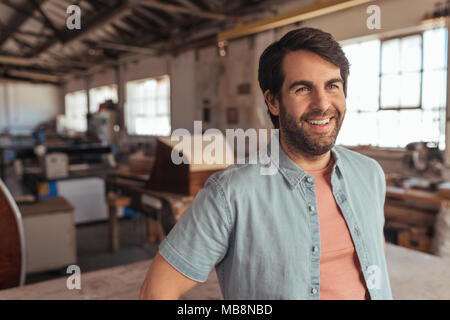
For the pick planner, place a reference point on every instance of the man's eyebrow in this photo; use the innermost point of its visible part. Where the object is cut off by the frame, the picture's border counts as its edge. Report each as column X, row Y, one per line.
column 334, row 80
column 300, row 83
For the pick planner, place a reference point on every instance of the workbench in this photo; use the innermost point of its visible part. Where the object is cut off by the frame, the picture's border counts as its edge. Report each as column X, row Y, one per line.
column 413, row 275
column 124, row 189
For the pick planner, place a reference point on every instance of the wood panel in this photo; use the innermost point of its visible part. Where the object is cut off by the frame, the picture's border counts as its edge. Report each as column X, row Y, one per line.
column 167, row 176
column 10, row 250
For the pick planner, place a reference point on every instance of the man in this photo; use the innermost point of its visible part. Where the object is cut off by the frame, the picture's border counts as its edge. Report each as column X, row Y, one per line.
column 314, row 230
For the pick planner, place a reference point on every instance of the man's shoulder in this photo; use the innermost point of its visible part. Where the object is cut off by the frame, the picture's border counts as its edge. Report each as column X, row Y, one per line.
column 237, row 178
column 235, row 173
column 356, row 160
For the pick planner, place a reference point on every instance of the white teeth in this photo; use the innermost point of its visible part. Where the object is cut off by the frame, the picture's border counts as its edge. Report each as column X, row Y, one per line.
column 319, row 121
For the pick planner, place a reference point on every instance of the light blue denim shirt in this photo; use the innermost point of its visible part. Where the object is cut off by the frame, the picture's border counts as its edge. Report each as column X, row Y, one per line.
column 259, row 231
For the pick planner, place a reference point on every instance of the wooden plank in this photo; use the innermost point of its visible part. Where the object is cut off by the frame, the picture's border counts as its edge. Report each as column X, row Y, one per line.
column 10, row 251
column 406, row 267
column 409, row 216
column 122, row 282
column 425, row 196
column 304, row 13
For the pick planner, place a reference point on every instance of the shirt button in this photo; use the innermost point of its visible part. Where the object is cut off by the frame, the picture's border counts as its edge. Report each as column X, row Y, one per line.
column 309, row 179
column 314, row 249
column 313, row 290
column 311, row 208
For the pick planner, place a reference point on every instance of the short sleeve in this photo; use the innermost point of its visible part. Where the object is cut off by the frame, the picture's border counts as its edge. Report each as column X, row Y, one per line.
column 382, row 188
column 199, row 240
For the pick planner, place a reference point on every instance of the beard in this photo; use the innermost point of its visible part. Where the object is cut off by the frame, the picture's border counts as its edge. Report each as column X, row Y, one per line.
column 302, row 139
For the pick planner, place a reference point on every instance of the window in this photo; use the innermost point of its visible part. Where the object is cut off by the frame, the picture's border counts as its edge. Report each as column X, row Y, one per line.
column 397, row 91
column 76, row 110
column 99, row 95
column 148, row 106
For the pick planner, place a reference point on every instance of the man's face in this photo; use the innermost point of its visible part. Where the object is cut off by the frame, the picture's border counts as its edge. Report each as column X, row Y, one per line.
column 311, row 104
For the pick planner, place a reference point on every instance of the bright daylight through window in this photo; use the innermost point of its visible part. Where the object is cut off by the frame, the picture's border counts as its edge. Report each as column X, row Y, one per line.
column 412, row 74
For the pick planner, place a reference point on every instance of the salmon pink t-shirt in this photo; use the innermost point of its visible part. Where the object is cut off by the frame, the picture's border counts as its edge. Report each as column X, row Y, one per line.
column 341, row 276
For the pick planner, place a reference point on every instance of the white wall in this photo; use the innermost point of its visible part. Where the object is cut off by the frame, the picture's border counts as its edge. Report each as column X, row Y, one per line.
column 24, row 105
column 182, row 89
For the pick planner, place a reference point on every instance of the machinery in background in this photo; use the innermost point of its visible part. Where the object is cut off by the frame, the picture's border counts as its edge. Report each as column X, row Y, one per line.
column 103, row 125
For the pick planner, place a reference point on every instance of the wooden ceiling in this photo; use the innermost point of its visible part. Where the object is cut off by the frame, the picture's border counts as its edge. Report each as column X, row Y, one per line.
column 35, row 43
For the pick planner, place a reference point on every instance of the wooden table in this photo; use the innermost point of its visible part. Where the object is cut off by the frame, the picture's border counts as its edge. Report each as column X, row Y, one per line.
column 413, row 275
column 130, row 191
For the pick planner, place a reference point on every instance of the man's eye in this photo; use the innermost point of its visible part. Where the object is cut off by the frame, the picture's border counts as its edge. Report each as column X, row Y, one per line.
column 302, row 89
column 333, row 86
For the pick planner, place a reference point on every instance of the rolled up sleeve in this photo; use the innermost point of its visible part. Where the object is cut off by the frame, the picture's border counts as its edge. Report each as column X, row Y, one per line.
column 199, row 240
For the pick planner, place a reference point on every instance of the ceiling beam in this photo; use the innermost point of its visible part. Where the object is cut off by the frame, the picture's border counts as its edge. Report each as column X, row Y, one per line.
column 127, row 48
column 308, row 12
column 32, row 75
column 17, row 20
column 142, row 21
column 17, row 61
column 188, row 4
column 47, row 21
column 177, row 9
column 152, row 16
column 33, row 34
column 107, row 17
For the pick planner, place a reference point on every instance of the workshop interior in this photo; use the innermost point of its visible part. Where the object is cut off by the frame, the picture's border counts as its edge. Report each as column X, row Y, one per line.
column 92, row 91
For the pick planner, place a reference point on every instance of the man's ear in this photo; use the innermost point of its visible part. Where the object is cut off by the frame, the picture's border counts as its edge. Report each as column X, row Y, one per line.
column 272, row 102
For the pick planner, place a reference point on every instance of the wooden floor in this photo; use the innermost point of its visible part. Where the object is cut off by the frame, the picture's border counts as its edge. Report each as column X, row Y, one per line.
column 413, row 275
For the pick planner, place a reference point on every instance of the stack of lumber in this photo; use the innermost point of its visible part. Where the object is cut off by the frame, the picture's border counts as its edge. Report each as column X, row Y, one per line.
column 412, row 215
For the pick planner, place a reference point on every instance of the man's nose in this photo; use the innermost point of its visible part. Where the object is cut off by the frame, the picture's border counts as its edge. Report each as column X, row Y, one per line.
column 320, row 100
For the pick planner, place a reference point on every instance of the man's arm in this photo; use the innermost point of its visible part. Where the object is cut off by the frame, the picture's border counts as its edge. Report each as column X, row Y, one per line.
column 164, row 282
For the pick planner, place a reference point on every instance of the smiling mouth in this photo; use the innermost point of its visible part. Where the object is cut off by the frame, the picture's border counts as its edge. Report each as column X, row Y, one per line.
column 319, row 122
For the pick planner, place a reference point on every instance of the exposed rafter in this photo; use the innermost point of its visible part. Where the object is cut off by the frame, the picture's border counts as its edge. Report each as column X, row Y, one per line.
column 32, row 75
column 314, row 10
column 17, row 20
column 109, row 16
column 128, row 48
column 47, row 21
column 177, row 9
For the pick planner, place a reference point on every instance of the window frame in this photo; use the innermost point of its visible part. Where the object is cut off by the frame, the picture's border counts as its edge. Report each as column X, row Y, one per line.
column 156, row 115
column 400, row 37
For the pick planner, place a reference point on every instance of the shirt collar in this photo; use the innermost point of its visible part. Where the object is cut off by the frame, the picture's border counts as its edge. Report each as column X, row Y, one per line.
column 289, row 169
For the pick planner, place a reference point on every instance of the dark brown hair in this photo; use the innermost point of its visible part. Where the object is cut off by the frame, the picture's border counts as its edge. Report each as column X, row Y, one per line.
column 270, row 71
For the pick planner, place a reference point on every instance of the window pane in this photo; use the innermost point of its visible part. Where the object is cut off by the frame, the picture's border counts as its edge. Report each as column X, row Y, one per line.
column 390, row 93
column 431, row 128
column 161, row 108
column 148, row 107
column 410, row 89
column 99, row 95
column 149, row 88
column 411, row 54
column 362, row 93
column 390, row 57
column 389, row 122
column 363, row 82
column 76, row 110
column 435, row 49
column 434, row 89
column 359, row 128
column 410, row 127
column 163, row 89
